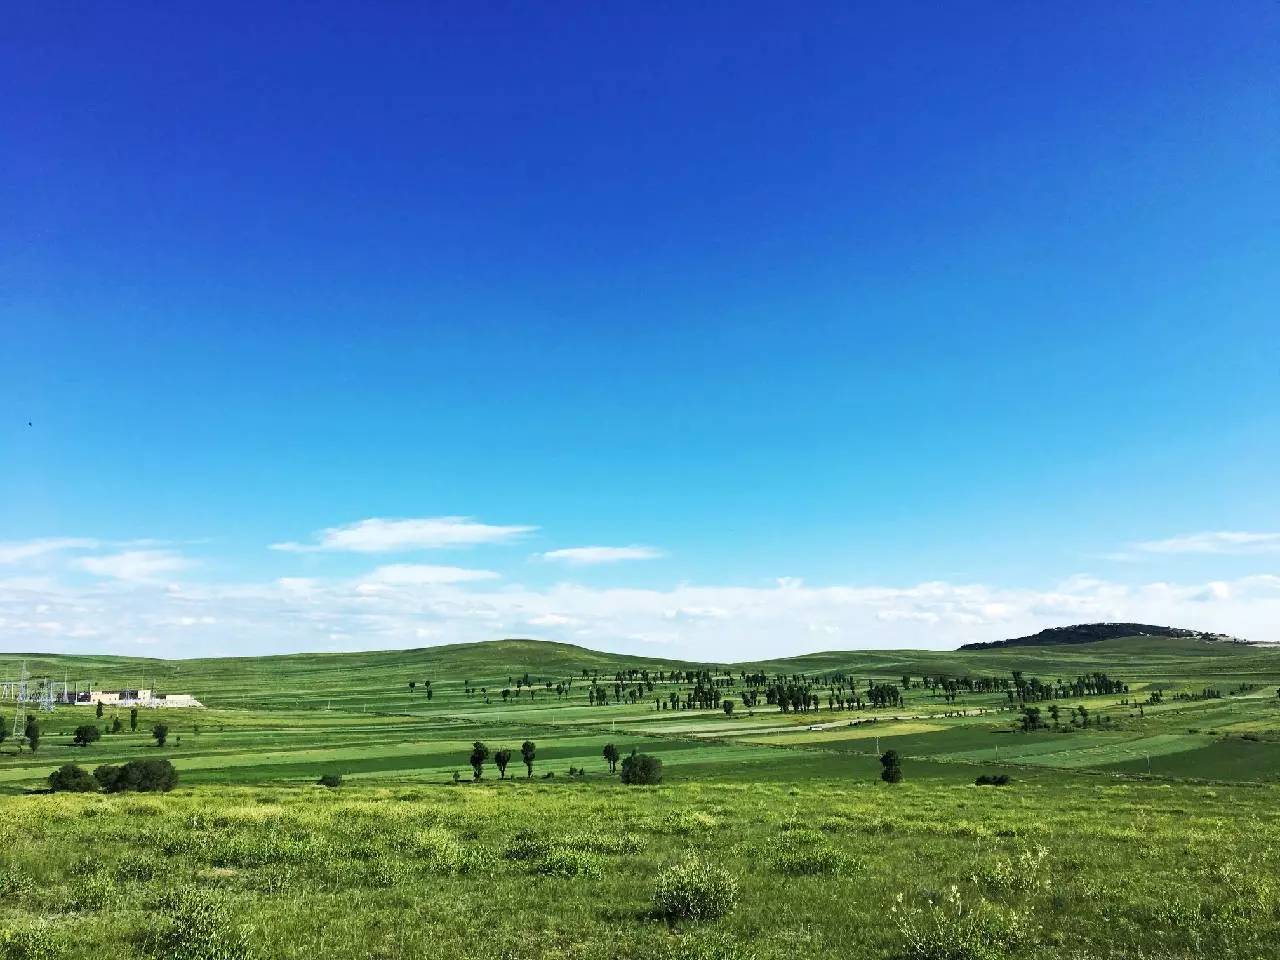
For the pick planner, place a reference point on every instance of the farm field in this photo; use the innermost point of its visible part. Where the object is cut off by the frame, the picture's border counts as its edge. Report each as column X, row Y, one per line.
column 1139, row 822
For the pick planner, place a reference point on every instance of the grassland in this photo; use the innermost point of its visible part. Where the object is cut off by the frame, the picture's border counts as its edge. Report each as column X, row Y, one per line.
column 1148, row 831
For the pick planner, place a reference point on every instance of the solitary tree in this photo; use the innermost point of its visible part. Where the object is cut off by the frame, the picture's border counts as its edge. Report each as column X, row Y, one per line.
column 892, row 764
column 31, row 733
column 98, row 712
column 502, row 758
column 133, row 719
column 727, row 706
column 116, row 725
column 610, row 753
column 479, row 754
column 528, row 750
column 4, row 729
column 86, row 734
column 161, row 732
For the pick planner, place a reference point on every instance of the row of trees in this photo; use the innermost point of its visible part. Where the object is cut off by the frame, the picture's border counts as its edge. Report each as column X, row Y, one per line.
column 136, row 775
column 88, row 733
column 636, row 768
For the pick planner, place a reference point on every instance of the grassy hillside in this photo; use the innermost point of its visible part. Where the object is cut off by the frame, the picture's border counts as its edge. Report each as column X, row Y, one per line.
column 1139, row 821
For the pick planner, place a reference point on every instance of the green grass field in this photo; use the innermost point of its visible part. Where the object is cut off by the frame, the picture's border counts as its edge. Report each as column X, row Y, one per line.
column 1148, row 830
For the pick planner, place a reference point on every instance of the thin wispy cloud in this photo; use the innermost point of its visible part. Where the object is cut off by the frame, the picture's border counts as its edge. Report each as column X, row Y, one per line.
column 1217, row 541
column 384, row 535
column 1208, row 543
column 20, row 551
column 138, row 566
column 420, row 574
column 592, row 556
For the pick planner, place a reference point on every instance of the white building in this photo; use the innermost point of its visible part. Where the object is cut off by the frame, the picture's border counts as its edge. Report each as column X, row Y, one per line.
column 137, row 698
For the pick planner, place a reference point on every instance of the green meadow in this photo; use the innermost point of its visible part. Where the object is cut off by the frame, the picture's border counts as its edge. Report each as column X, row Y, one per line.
column 1139, row 822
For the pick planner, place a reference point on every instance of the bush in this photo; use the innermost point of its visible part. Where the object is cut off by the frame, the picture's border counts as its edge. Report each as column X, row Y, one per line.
column 992, row 780
column 807, row 853
column 641, row 769
column 949, row 929
column 330, row 780
column 196, row 928
column 565, row 861
column 70, row 778
column 695, row 890
column 34, row 942
column 141, row 775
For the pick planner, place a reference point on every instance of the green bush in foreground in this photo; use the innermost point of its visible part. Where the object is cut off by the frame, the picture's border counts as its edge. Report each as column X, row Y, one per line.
column 801, row 853
column 193, row 927
column 695, row 890
column 141, row 775
column 70, row 778
column 950, row 929
column 34, row 942
column 641, row 769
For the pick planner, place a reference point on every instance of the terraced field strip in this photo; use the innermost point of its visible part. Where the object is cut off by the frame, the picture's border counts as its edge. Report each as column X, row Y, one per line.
column 862, row 731
column 1075, row 751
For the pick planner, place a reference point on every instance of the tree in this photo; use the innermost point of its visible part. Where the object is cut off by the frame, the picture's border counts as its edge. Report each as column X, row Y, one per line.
column 4, row 729
column 502, row 758
column 116, row 725
column 610, row 753
column 70, row 778
column 727, row 707
column 528, row 750
column 31, row 732
column 98, row 712
column 161, row 733
column 86, row 734
column 641, row 769
column 892, row 767
column 133, row 719
column 479, row 754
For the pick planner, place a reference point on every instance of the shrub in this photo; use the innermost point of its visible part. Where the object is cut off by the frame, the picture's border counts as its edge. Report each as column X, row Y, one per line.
column 992, row 780
column 193, row 927
column 641, row 769
column 141, row 775
column 801, row 853
column 1019, row 874
column 565, row 861
column 330, row 780
column 695, row 890
column 34, row 942
column 949, row 929
column 527, row 846
column 70, row 778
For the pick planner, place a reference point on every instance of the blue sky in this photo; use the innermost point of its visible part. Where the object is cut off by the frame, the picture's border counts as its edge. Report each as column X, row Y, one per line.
column 838, row 326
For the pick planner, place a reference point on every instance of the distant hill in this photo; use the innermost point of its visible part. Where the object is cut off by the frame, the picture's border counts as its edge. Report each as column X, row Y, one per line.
column 1095, row 632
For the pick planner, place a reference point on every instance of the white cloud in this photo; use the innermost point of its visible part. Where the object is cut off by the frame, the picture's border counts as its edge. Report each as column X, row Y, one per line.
column 382, row 535
column 140, row 566
column 590, row 556
column 1217, row 542
column 18, row 551
column 423, row 574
